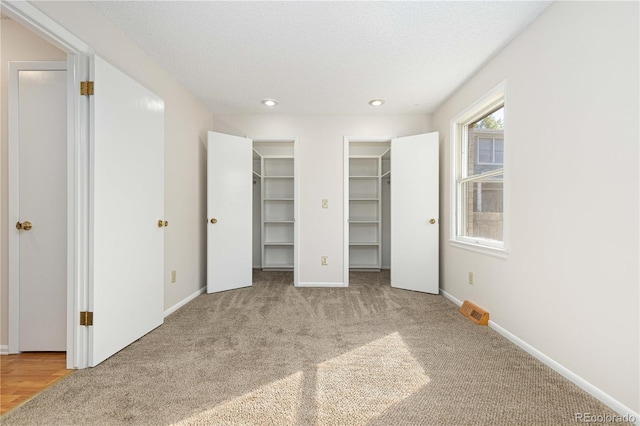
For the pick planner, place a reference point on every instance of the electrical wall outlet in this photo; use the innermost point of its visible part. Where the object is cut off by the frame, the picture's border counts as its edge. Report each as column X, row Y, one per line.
column 324, row 260
column 325, row 203
column 471, row 278
column 174, row 274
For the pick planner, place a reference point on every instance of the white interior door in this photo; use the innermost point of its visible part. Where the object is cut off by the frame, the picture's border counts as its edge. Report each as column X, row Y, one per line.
column 42, row 206
column 229, row 212
column 127, row 163
column 414, row 213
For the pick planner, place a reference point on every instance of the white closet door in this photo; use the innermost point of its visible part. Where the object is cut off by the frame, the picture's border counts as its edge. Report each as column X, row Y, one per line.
column 414, row 213
column 229, row 212
column 127, row 163
column 42, row 197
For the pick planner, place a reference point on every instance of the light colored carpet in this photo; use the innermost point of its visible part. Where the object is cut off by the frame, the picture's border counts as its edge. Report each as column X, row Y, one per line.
column 273, row 354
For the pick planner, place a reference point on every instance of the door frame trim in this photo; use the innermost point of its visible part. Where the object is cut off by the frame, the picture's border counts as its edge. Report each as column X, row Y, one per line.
column 13, row 199
column 78, row 183
column 346, row 141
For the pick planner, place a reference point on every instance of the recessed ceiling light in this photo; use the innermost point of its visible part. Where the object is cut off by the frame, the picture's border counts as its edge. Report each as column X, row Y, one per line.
column 270, row 102
column 376, row 102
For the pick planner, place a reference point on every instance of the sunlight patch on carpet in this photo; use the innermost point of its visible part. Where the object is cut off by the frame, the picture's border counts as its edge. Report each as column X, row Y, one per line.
column 353, row 388
column 275, row 403
column 358, row 386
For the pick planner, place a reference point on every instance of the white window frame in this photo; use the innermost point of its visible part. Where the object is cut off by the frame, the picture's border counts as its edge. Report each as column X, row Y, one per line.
column 492, row 100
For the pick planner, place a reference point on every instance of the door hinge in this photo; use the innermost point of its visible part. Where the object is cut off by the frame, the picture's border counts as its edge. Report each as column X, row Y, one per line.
column 86, row 88
column 86, row 318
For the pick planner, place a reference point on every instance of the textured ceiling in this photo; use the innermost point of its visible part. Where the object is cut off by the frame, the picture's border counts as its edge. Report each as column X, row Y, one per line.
column 321, row 57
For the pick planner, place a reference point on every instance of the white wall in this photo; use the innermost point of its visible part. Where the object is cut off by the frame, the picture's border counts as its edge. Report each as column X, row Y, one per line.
column 18, row 44
column 569, row 287
column 321, row 174
column 186, row 123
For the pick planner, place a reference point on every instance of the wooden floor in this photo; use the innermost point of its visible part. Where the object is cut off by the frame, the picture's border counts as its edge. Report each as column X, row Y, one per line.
column 24, row 375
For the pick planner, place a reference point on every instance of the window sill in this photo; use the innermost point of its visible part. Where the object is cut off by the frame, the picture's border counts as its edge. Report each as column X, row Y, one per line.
column 498, row 252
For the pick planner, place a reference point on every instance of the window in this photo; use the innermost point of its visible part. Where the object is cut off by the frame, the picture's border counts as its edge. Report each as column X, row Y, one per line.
column 478, row 206
column 490, row 150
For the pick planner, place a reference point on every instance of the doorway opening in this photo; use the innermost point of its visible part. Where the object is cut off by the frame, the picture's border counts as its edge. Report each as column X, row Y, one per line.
column 274, row 208
column 391, row 222
column 37, row 167
column 252, row 208
column 37, row 23
column 367, row 204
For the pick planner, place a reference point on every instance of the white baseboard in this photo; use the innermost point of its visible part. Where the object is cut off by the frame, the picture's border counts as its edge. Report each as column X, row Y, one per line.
column 4, row 349
column 597, row 393
column 318, row 284
column 592, row 390
column 450, row 297
column 183, row 302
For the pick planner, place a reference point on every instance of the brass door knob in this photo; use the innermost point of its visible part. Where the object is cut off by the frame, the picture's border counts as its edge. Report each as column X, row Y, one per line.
column 162, row 223
column 166, row 223
column 25, row 226
column 433, row 221
column 214, row 221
